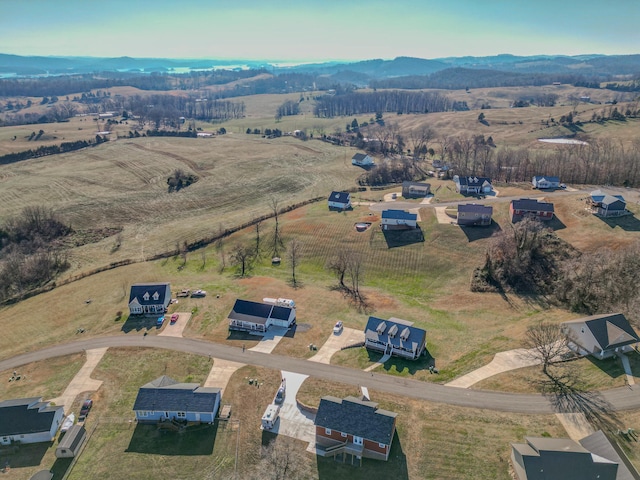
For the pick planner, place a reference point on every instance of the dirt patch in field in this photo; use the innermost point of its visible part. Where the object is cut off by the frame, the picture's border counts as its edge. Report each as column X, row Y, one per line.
column 370, row 218
column 380, row 301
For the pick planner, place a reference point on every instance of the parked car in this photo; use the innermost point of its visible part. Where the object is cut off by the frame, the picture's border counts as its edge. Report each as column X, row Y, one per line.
column 174, row 318
column 198, row 294
column 183, row 293
column 84, row 410
column 160, row 321
column 337, row 328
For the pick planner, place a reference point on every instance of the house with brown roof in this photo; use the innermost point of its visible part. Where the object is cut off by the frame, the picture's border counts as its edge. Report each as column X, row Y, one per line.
column 354, row 427
column 471, row 214
column 415, row 189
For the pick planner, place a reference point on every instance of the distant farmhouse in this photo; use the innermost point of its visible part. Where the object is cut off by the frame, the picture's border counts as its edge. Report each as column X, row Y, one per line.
column 529, row 207
column 354, row 426
column 606, row 205
column 415, row 189
column 362, row 160
column 256, row 318
column 398, row 220
column 471, row 214
column 602, row 336
column 165, row 399
column 561, row 458
column 395, row 337
column 472, row 185
column 29, row 420
column 543, row 183
column 152, row 298
column 339, row 201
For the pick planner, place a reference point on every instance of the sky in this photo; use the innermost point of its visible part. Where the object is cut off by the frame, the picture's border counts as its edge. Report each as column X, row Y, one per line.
column 317, row 30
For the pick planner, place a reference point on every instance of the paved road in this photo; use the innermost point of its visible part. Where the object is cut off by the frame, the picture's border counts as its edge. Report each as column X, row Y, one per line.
column 624, row 398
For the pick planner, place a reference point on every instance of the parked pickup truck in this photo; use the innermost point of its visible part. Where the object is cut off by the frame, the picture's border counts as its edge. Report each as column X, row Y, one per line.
column 183, row 293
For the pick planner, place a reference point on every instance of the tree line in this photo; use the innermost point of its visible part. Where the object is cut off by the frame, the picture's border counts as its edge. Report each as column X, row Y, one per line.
column 50, row 150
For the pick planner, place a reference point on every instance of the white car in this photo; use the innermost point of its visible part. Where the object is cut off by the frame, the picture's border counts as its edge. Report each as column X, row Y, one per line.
column 337, row 328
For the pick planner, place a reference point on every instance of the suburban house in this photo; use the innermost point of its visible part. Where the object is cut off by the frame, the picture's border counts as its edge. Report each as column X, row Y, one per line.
column 543, row 182
column 29, row 420
column 607, row 205
column 600, row 335
column 166, row 400
column 415, row 189
column 472, row 185
column 398, row 220
column 149, row 298
column 529, row 207
column 362, row 160
column 340, row 201
column 550, row 458
column 72, row 442
column 471, row 214
column 355, row 427
column 395, row 337
column 256, row 318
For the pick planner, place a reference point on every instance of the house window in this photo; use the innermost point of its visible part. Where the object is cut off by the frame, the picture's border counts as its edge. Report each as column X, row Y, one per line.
column 343, row 435
column 382, row 445
column 182, row 414
column 143, row 413
column 327, row 431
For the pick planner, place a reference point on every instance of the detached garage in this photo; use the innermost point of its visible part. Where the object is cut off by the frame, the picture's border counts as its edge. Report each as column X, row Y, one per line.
column 71, row 442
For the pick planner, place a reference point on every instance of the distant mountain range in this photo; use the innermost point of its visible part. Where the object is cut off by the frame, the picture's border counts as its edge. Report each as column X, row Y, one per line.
column 608, row 66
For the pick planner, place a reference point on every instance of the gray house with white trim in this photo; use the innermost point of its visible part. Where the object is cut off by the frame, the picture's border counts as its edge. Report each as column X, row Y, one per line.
column 149, row 298
column 395, row 337
column 542, row 182
column 339, row 201
column 601, row 335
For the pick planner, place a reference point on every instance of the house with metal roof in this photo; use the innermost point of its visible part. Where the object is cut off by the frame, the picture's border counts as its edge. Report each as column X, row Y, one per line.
column 398, row 220
column 543, row 182
column 256, row 317
column 166, row 400
column 601, row 335
column 530, row 207
column 149, row 298
column 339, row 201
column 354, row 427
column 395, row 337
column 29, row 420
column 471, row 214
column 468, row 185
column 362, row 160
column 415, row 189
column 72, row 442
column 594, row 457
column 606, row 205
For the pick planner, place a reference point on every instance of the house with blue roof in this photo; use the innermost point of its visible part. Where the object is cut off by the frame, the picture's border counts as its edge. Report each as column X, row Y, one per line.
column 149, row 298
column 606, row 205
column 398, row 220
column 165, row 399
column 339, row 201
column 543, row 182
column 256, row 317
column 395, row 337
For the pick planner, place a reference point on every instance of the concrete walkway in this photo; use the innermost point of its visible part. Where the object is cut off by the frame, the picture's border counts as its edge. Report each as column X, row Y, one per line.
column 270, row 340
column 576, row 425
column 442, row 216
column 627, row 368
column 334, row 343
column 221, row 373
column 82, row 382
column 378, row 363
column 502, row 362
column 177, row 328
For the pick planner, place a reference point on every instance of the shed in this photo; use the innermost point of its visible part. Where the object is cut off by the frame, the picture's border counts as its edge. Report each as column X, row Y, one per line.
column 71, row 442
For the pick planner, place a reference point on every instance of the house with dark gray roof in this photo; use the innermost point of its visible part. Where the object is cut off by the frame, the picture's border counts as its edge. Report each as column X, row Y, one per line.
column 165, row 399
column 415, row 189
column 398, row 220
column 29, row 420
column 362, row 160
column 355, row 427
column 339, row 201
column 149, row 298
column 472, row 214
column 468, row 185
column 544, row 182
column 561, row 458
column 601, row 335
column 256, row 317
column 530, row 207
column 606, row 205
column 395, row 337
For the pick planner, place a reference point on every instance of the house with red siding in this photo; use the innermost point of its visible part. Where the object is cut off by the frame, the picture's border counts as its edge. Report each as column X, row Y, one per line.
column 530, row 207
column 354, row 428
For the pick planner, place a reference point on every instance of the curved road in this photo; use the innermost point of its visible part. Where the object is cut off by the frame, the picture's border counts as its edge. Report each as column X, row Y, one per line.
column 624, row 398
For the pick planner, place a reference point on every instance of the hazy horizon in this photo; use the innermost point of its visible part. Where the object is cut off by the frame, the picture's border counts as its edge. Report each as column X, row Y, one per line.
column 307, row 31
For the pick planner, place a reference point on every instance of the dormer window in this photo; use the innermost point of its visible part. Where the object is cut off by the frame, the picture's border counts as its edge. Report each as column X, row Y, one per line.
column 156, row 296
column 145, row 297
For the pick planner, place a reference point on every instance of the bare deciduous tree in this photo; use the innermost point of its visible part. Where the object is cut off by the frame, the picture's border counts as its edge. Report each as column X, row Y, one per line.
column 277, row 240
column 242, row 256
column 294, row 253
column 546, row 342
column 281, row 460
